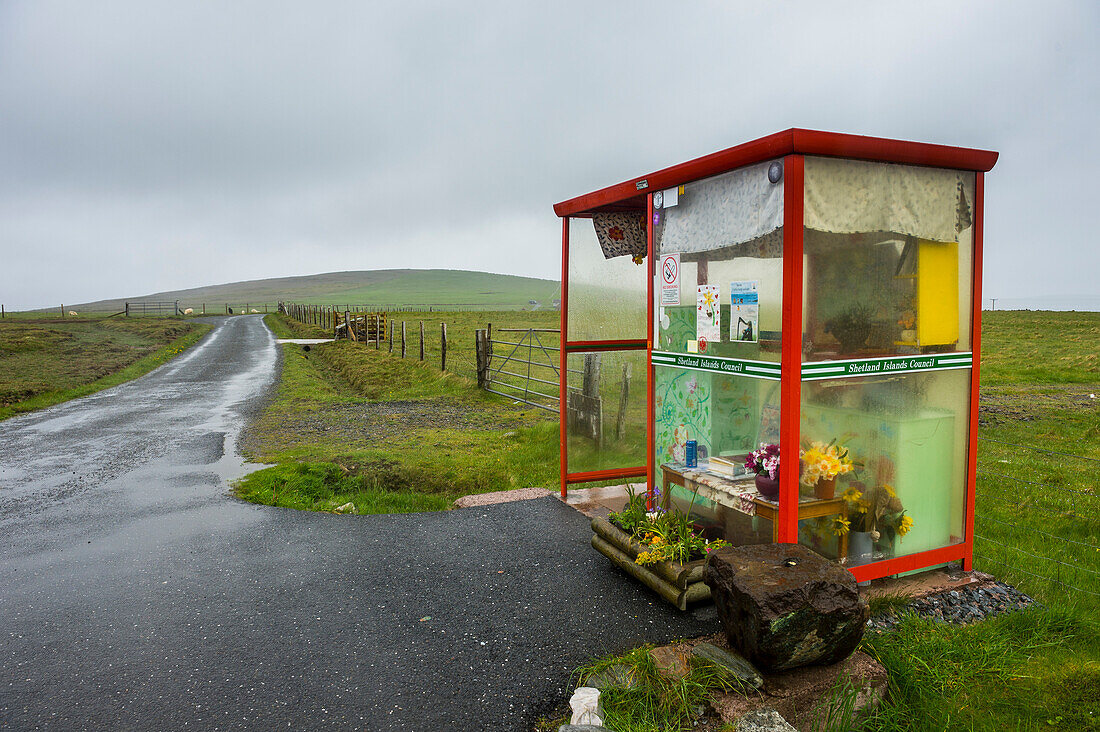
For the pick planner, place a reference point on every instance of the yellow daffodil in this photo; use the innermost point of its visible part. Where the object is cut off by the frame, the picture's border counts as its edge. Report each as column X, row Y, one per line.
column 905, row 525
column 841, row 525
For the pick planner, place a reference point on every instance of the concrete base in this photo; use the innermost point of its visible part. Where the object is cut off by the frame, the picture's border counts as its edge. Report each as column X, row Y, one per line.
column 916, row 586
column 600, row 501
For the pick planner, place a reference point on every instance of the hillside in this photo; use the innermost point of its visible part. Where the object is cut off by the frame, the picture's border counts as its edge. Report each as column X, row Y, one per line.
column 378, row 287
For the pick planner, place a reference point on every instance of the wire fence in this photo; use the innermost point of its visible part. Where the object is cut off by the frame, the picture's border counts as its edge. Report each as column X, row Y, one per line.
column 1031, row 530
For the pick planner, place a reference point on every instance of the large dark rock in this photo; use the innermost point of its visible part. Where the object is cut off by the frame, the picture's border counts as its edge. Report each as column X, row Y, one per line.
column 783, row 606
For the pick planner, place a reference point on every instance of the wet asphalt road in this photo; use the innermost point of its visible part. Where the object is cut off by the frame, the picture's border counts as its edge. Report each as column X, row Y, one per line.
column 135, row 593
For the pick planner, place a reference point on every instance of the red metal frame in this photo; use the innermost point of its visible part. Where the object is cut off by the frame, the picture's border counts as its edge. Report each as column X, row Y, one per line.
column 790, row 380
column 794, row 141
column 634, row 344
column 625, row 344
column 908, row 563
column 975, row 375
column 609, row 474
column 650, row 431
column 562, row 405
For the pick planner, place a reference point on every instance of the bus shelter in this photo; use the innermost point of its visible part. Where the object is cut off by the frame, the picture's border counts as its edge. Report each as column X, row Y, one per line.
column 812, row 291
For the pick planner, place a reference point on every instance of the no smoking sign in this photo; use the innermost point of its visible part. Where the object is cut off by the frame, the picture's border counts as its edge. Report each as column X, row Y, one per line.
column 670, row 279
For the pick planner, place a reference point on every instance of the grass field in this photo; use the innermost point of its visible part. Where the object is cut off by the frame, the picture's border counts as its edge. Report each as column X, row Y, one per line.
column 402, row 435
column 44, row 361
column 404, row 287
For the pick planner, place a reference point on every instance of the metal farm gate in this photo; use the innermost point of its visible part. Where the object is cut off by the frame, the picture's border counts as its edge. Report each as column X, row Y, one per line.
column 526, row 369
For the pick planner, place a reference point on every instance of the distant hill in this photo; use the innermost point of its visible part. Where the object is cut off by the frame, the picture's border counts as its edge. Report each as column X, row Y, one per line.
column 399, row 287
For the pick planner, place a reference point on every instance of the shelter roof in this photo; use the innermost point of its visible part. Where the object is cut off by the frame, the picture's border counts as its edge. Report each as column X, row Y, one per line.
column 630, row 194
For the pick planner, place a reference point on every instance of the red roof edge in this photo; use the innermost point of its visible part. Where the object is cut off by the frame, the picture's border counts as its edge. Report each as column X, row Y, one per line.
column 788, row 142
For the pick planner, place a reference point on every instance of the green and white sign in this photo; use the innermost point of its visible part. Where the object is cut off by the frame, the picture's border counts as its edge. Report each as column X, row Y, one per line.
column 718, row 364
column 885, row 365
column 817, row 370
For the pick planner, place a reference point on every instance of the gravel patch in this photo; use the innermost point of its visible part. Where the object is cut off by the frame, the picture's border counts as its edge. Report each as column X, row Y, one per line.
column 962, row 606
column 360, row 424
column 488, row 499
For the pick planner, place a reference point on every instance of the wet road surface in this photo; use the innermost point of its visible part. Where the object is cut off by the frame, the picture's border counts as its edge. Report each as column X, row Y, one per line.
column 135, row 593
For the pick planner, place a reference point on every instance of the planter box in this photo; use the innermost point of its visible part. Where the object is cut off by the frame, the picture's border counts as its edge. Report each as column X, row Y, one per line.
column 678, row 584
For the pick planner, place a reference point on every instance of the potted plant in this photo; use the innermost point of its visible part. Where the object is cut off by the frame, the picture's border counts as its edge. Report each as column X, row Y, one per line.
column 872, row 514
column 660, row 548
column 851, row 327
column 821, row 464
column 764, row 462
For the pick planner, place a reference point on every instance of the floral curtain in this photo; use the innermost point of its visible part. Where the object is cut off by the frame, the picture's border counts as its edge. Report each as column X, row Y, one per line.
column 726, row 211
column 855, row 196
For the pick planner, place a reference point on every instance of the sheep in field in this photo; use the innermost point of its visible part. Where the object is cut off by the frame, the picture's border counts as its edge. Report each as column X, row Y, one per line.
column 189, row 311
column 72, row 313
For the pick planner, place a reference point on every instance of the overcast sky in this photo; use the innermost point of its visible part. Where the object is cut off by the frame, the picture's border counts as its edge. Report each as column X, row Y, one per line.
column 149, row 146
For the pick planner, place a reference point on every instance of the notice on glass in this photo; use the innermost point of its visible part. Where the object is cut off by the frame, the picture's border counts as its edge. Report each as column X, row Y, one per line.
column 744, row 311
column 670, row 279
column 708, row 316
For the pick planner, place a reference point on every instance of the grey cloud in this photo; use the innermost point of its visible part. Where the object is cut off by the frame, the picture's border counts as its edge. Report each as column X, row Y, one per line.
column 188, row 143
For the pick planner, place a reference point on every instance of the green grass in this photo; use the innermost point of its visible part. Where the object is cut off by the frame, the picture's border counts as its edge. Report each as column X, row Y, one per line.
column 1035, row 669
column 1037, row 347
column 1039, row 372
column 325, row 486
column 654, row 703
column 45, row 361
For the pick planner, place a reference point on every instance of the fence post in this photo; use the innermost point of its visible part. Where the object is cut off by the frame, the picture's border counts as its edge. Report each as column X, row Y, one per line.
column 402, row 339
column 421, row 340
column 62, row 310
column 349, row 326
column 620, row 422
column 480, row 352
column 443, row 348
column 391, row 336
column 3, row 313
column 377, row 333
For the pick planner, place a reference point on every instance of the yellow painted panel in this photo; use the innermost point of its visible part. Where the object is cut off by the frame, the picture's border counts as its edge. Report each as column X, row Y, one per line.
column 937, row 293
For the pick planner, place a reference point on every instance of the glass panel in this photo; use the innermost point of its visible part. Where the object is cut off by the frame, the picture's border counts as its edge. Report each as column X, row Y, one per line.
column 727, row 416
column 606, row 423
column 607, row 297
column 888, row 259
column 907, row 436
column 727, row 296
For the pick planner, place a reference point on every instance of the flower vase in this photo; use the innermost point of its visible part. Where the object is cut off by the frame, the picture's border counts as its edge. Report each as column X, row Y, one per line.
column 860, row 551
column 825, row 489
column 768, row 487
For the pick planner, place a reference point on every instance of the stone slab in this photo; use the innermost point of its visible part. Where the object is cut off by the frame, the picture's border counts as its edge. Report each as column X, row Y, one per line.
column 730, row 660
column 618, row 676
column 671, row 661
column 486, row 499
column 764, row 719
